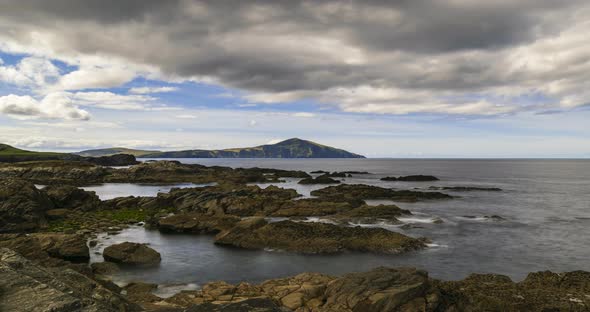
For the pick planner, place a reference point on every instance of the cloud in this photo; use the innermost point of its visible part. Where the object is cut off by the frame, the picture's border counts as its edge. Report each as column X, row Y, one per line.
column 186, row 116
column 94, row 78
column 52, row 106
column 461, row 57
column 30, row 72
column 146, row 90
column 304, row 115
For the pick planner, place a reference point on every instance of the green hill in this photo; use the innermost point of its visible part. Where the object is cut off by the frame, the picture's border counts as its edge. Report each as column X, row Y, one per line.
column 292, row 148
column 12, row 154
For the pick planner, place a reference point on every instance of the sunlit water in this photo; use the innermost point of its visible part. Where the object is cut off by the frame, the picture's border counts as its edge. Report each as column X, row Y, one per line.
column 546, row 204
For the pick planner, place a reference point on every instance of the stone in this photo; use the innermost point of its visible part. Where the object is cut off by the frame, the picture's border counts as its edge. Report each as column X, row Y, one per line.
column 104, row 268
column 132, row 254
column 22, row 206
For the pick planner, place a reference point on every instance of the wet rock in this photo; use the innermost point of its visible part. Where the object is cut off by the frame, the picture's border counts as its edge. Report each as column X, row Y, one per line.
column 47, row 248
column 57, row 214
column 27, row 287
column 361, row 191
column 132, row 254
column 22, row 206
column 313, row 237
column 56, row 172
column 412, row 178
column 70, row 197
column 104, row 268
column 140, row 292
column 323, row 179
column 196, row 223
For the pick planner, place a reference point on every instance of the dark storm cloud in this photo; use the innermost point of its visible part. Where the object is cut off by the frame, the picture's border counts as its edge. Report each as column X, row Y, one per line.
column 309, row 47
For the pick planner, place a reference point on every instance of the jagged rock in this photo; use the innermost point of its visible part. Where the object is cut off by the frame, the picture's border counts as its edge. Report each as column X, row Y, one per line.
column 323, row 179
column 361, row 191
column 56, row 172
column 57, row 214
column 254, row 304
column 314, row 207
column 140, row 292
column 312, row 237
column 71, row 197
column 48, row 248
column 22, row 206
column 113, row 160
column 197, row 223
column 28, row 287
column 132, row 254
column 412, row 178
column 371, row 214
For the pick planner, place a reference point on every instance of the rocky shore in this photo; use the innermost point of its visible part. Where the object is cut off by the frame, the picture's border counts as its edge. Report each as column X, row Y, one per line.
column 45, row 233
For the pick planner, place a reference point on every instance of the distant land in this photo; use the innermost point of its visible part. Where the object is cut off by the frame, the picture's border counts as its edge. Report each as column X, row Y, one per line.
column 13, row 154
column 291, row 148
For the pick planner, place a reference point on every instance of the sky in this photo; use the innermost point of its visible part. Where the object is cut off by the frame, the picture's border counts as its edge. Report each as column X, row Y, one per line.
column 438, row 78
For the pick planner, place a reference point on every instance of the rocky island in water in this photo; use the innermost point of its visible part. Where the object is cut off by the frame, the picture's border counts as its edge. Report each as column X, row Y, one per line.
column 49, row 225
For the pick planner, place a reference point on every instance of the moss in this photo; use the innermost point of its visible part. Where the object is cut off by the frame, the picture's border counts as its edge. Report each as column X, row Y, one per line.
column 64, row 225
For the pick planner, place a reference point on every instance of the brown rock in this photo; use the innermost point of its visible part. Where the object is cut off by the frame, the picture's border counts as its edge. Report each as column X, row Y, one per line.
column 132, row 254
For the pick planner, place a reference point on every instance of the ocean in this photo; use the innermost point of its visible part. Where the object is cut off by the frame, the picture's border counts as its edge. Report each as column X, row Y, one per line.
column 545, row 205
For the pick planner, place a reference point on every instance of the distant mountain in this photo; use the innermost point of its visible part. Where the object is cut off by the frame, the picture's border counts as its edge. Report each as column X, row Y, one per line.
column 292, row 148
column 114, row 151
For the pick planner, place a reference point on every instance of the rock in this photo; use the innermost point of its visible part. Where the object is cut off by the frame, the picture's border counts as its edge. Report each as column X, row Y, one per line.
column 132, row 254
column 22, row 206
column 382, row 289
column 57, row 214
column 104, row 268
column 371, row 214
column 196, row 223
column 323, row 179
column 27, row 287
column 412, row 178
column 361, row 191
column 69, row 247
column 254, row 304
column 56, row 172
column 314, row 207
column 113, row 160
column 141, row 293
column 315, row 238
column 70, row 197
column 495, row 218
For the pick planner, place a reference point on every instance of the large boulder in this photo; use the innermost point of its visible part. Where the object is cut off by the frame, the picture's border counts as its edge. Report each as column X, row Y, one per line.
column 27, row 287
column 371, row 214
column 312, row 237
column 22, row 206
column 132, row 254
column 70, row 197
column 113, row 160
column 323, row 179
column 314, row 207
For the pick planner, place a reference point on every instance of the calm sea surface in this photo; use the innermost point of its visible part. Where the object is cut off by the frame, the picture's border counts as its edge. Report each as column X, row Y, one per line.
column 546, row 204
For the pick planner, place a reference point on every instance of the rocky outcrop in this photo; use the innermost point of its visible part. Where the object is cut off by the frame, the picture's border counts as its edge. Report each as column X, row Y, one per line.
column 48, row 248
column 323, row 179
column 132, row 254
column 27, row 287
column 314, row 207
column 113, row 160
column 196, row 223
column 361, row 191
column 382, row 289
column 22, row 206
column 371, row 214
column 71, row 197
column 412, row 178
column 256, row 233
column 56, row 172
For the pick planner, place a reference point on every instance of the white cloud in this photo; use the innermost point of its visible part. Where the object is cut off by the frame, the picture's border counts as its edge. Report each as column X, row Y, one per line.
column 94, row 78
column 30, row 72
column 110, row 100
column 52, row 106
column 253, row 123
column 147, row 90
column 186, row 116
column 304, row 115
